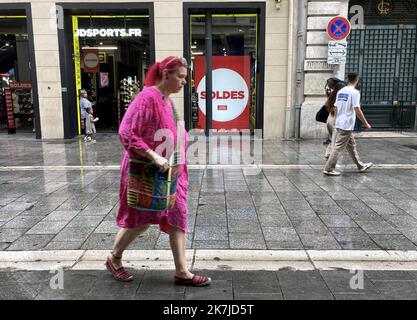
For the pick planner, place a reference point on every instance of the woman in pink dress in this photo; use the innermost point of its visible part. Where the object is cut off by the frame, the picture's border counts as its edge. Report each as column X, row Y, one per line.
column 150, row 111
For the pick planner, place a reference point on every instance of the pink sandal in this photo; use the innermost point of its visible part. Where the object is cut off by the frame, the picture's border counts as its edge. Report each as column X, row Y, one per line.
column 195, row 281
column 119, row 274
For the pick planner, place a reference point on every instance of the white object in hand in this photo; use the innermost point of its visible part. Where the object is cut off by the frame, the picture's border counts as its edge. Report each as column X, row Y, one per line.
column 160, row 162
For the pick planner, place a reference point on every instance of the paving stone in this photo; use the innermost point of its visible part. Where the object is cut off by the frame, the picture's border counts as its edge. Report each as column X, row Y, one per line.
column 99, row 241
column 335, row 221
column 6, row 201
column 270, row 209
column 64, row 245
column 349, row 234
column 211, row 209
column 247, row 213
column 295, row 204
column 383, row 275
column 274, row 221
column 31, row 242
column 341, row 282
column 393, row 242
column 85, row 221
column 74, row 234
column 47, row 227
column 359, row 245
column 246, row 241
column 244, row 226
column 21, row 222
column 309, row 226
column 4, row 245
column 199, row 244
column 258, row 296
column 211, row 220
column 303, row 285
column 319, row 242
column 156, row 282
column 377, row 227
column 301, row 214
column 7, row 216
column 10, row 235
column 397, row 290
column 218, row 289
column 107, row 227
column 280, row 234
column 282, row 245
column 61, row 216
column 210, row 233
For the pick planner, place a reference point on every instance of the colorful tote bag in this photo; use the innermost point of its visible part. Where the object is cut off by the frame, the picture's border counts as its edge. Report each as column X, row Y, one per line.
column 149, row 189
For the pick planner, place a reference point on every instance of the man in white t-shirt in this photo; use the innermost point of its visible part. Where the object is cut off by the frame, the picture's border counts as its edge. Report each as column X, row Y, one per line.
column 348, row 107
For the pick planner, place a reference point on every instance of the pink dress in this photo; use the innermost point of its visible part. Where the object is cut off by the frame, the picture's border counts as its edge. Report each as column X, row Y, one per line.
column 146, row 114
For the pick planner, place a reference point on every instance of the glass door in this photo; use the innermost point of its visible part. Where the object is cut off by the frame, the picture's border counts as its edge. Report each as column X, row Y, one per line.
column 228, row 44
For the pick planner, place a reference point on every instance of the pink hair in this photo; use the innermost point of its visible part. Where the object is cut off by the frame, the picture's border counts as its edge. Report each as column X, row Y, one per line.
column 154, row 74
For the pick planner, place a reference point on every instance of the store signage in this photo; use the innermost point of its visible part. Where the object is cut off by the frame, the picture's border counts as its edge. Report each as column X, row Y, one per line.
column 104, row 79
column 317, row 65
column 20, row 85
column 337, row 52
column 108, row 32
column 102, row 57
column 384, row 7
column 230, row 92
column 91, row 61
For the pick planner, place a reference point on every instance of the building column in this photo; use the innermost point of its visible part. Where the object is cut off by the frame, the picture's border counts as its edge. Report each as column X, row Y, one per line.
column 48, row 69
column 169, row 39
column 317, row 71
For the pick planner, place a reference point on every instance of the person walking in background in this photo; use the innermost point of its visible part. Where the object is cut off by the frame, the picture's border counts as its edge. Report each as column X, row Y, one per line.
column 151, row 111
column 331, row 108
column 90, row 127
column 348, row 107
column 84, row 105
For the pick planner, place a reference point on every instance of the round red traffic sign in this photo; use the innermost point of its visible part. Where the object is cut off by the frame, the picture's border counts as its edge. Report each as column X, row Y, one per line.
column 338, row 28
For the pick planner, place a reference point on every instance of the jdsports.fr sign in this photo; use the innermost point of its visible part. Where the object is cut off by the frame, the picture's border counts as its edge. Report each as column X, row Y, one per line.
column 108, row 32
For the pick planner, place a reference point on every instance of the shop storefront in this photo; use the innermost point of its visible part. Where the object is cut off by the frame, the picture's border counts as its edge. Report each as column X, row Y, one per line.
column 384, row 53
column 18, row 105
column 109, row 50
column 225, row 45
column 241, row 56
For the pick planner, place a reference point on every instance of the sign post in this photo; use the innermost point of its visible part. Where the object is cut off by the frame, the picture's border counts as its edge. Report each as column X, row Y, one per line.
column 338, row 30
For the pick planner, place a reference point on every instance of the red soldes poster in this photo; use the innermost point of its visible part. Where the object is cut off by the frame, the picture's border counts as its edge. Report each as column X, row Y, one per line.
column 91, row 61
column 231, row 83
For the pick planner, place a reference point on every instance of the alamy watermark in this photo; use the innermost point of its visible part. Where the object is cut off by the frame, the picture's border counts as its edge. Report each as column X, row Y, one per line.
column 57, row 280
column 357, row 280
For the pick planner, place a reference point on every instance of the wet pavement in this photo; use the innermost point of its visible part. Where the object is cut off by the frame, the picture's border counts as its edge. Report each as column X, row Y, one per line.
column 64, row 194
column 226, row 285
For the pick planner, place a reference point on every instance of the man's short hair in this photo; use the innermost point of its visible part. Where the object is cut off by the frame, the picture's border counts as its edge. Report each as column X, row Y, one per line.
column 353, row 77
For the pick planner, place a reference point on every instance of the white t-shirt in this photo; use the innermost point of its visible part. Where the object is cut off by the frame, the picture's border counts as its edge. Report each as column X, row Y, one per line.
column 347, row 99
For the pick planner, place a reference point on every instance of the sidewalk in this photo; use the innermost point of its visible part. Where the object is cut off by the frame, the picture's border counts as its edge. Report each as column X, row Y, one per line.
column 226, row 285
column 57, row 195
column 60, row 197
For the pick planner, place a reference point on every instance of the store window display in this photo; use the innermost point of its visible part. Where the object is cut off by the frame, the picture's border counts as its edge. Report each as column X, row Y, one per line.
column 16, row 95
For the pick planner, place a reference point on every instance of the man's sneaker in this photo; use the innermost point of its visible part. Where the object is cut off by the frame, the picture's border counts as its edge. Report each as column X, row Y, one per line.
column 332, row 173
column 366, row 166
